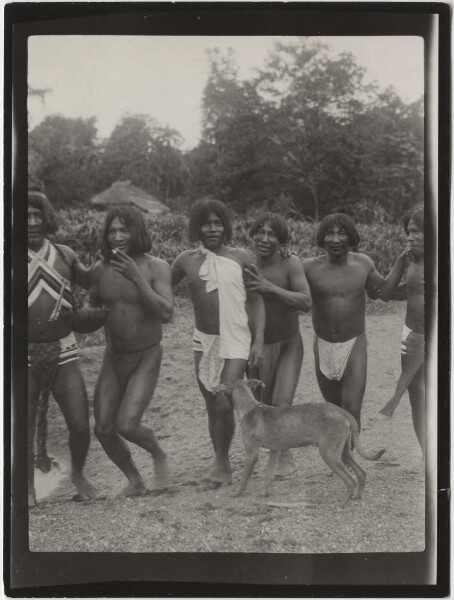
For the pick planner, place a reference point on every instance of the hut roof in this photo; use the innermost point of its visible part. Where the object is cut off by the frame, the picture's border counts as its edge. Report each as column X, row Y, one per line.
column 124, row 192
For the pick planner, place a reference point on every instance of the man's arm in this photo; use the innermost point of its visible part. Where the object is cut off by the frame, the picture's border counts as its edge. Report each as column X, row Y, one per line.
column 298, row 296
column 80, row 274
column 178, row 273
column 391, row 289
column 160, row 303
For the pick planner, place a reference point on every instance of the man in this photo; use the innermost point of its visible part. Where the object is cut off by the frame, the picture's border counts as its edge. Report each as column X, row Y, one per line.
column 222, row 338
column 338, row 281
column 53, row 356
column 282, row 283
column 412, row 349
column 136, row 290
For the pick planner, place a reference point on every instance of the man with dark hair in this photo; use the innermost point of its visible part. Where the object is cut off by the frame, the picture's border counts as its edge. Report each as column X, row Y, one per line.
column 412, row 348
column 338, row 281
column 283, row 285
column 53, row 356
column 222, row 338
column 136, row 290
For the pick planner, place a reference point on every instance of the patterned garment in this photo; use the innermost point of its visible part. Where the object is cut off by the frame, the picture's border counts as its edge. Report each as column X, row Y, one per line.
column 42, row 277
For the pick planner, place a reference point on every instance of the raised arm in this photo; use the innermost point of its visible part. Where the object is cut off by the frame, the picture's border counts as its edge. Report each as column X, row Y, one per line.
column 156, row 295
column 391, row 289
column 298, row 296
column 80, row 274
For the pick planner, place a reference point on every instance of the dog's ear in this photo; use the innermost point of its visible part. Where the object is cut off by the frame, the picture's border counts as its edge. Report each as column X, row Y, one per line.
column 255, row 383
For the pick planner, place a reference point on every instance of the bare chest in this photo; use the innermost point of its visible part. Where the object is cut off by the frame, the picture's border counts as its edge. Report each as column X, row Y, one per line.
column 415, row 277
column 346, row 281
column 114, row 287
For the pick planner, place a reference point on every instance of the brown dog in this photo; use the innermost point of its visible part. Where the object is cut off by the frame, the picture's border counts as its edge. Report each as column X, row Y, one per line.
column 325, row 425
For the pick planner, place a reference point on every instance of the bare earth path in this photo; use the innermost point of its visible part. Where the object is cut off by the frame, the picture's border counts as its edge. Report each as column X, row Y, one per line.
column 190, row 518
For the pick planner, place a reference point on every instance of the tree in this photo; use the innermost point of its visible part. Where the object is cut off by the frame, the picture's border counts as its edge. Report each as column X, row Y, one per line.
column 63, row 155
column 148, row 155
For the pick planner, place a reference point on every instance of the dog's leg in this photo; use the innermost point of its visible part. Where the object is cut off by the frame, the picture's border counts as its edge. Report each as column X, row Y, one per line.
column 270, row 469
column 348, row 459
column 333, row 458
column 251, row 459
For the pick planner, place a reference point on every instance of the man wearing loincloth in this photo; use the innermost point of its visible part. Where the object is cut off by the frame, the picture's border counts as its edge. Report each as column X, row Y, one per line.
column 282, row 283
column 53, row 356
column 136, row 289
column 338, row 282
column 222, row 337
column 412, row 346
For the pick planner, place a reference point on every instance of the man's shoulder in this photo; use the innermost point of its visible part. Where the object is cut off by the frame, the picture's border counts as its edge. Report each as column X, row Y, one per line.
column 240, row 254
column 314, row 261
column 363, row 259
column 66, row 251
column 188, row 255
column 157, row 263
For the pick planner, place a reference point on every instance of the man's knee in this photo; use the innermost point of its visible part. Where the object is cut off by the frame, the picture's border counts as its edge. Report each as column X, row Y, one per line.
column 79, row 429
column 104, row 430
column 126, row 426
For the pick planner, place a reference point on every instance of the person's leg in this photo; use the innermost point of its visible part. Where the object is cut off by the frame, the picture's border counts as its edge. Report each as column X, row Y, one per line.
column 136, row 398
column 33, row 395
column 331, row 390
column 286, row 379
column 209, row 400
column 107, row 404
column 354, row 379
column 416, row 392
column 70, row 393
column 224, row 420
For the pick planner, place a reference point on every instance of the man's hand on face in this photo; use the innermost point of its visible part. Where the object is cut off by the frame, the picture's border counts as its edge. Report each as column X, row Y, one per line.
column 125, row 265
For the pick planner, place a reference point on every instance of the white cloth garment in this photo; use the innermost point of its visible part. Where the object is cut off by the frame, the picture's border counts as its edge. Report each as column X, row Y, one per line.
column 333, row 357
column 226, row 276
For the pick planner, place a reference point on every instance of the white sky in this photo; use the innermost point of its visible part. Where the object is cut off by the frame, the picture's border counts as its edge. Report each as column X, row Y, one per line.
column 163, row 76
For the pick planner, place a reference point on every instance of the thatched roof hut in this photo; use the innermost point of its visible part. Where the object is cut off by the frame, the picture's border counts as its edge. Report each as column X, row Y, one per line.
column 124, row 192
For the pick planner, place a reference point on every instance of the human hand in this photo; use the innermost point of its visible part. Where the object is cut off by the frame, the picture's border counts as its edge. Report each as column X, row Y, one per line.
column 285, row 251
column 254, row 282
column 125, row 265
column 255, row 355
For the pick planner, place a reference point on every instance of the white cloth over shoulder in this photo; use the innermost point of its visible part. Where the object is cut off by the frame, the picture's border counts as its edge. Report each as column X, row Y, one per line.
column 226, row 276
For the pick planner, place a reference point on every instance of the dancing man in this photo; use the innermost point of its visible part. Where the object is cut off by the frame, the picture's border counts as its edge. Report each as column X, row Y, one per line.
column 135, row 288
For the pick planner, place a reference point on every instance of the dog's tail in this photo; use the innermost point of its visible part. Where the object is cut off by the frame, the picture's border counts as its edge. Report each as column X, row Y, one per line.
column 367, row 454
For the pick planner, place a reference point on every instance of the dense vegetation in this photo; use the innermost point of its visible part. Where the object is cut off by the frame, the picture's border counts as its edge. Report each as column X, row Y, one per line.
column 305, row 136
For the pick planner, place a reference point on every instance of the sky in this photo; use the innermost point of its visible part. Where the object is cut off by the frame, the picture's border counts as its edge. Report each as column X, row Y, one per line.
column 163, row 77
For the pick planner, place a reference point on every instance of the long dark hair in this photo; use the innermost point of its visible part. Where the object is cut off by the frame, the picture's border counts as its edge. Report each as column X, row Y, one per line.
column 132, row 219
column 200, row 212
column 277, row 223
column 344, row 222
column 37, row 199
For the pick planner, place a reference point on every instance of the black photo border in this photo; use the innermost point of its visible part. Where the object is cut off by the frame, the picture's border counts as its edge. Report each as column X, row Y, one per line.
column 31, row 574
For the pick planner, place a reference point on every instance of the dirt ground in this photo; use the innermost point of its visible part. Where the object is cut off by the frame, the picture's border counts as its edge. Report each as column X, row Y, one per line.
column 188, row 517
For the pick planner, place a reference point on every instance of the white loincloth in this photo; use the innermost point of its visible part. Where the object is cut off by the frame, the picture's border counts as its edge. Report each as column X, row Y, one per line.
column 333, row 357
column 211, row 364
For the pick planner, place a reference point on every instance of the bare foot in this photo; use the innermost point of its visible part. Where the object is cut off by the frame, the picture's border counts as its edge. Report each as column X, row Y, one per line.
column 134, row 489
column 85, row 490
column 161, row 472
column 219, row 474
column 286, row 466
